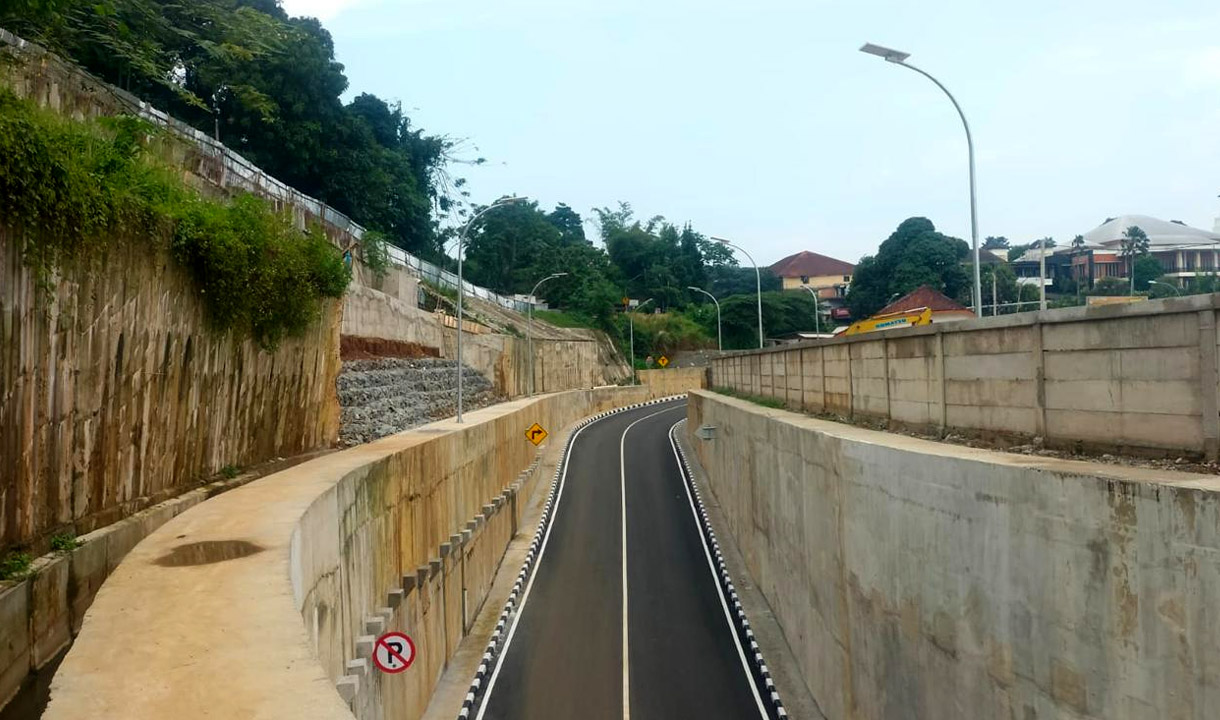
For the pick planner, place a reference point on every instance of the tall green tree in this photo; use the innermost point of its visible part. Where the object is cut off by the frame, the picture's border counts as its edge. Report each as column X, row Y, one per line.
column 915, row 254
column 993, row 242
column 270, row 87
column 569, row 223
column 1134, row 243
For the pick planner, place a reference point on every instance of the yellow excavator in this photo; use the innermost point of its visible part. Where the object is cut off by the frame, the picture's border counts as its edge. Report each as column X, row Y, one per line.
column 904, row 318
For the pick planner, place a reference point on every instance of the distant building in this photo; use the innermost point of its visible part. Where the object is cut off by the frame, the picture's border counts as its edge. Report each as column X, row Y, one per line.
column 987, row 257
column 944, row 308
column 828, row 276
column 1184, row 253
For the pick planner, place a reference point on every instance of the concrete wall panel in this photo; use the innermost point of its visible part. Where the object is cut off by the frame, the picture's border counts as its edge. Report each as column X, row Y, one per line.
column 917, row 579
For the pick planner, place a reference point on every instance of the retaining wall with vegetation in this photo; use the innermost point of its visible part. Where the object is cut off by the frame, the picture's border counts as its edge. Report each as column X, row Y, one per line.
column 1139, row 378
column 301, row 567
column 918, row 579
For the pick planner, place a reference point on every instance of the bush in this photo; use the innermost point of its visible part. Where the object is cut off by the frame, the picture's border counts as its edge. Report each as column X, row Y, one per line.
column 64, row 542
column 69, row 190
column 1111, row 286
column 15, row 565
column 376, row 253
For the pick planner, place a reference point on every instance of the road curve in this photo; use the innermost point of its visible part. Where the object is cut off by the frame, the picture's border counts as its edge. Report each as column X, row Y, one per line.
column 599, row 638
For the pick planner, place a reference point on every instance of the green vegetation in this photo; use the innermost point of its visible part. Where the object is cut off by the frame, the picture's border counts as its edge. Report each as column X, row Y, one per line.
column 563, row 319
column 769, row 402
column 64, row 542
column 666, row 333
column 1111, row 286
column 914, row 255
column 375, row 253
column 269, row 86
column 229, row 472
column 15, row 565
column 72, row 190
column 1147, row 269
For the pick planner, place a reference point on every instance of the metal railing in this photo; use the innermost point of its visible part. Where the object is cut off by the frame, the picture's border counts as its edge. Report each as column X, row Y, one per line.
column 232, row 171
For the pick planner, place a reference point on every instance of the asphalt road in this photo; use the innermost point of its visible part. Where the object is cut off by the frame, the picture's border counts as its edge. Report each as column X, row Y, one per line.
column 565, row 656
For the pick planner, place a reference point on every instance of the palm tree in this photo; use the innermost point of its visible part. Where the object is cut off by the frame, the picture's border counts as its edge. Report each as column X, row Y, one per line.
column 1078, row 249
column 1134, row 244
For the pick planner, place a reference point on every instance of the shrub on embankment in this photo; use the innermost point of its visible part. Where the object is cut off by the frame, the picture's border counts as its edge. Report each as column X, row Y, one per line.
column 69, row 190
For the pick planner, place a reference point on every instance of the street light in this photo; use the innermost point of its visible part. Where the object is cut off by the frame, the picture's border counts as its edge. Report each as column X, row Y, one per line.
column 529, row 324
column 1171, row 287
column 757, row 280
column 817, row 321
column 631, row 325
column 461, row 288
column 719, row 336
column 899, row 58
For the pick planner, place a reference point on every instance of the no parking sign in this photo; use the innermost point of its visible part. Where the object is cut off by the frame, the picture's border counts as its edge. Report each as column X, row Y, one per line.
column 393, row 653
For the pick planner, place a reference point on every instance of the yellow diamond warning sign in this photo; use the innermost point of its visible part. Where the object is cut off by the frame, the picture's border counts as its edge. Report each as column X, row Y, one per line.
column 536, row 434
column 663, row 361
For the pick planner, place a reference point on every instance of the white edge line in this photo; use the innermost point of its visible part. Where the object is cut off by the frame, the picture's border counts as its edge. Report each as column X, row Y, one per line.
column 711, row 566
column 491, row 683
column 622, row 468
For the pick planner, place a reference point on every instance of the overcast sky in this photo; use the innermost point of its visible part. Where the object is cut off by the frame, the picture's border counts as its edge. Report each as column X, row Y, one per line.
column 761, row 122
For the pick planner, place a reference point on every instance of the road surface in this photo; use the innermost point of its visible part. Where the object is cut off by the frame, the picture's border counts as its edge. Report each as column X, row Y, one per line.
column 598, row 637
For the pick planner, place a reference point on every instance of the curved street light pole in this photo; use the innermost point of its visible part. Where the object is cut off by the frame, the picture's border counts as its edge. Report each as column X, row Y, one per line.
column 529, row 325
column 817, row 320
column 899, row 58
column 719, row 336
column 757, row 280
column 1171, row 287
column 461, row 288
column 631, row 325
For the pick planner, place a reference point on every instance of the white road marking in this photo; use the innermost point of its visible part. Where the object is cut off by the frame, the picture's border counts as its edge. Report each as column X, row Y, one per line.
column 491, row 683
column 711, row 566
column 622, row 471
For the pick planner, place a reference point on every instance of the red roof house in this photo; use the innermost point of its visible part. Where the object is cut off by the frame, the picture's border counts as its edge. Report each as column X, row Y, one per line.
column 942, row 306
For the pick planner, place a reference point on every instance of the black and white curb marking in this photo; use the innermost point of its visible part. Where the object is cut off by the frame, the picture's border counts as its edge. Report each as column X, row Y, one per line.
column 741, row 624
column 495, row 645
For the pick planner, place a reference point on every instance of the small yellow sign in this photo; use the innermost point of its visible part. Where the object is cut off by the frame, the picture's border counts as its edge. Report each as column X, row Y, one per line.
column 536, row 434
column 664, row 361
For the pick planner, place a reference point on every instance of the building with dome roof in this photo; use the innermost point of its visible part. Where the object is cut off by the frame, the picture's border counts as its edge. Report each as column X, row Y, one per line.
column 1184, row 252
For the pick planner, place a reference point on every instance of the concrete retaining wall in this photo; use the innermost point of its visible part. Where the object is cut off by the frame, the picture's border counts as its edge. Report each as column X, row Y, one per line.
column 1138, row 378
column 580, row 360
column 269, row 591
column 115, row 394
column 677, row 380
column 920, row 579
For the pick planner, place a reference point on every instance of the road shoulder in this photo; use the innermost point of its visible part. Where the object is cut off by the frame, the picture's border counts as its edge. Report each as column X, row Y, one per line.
column 798, row 701
column 451, row 691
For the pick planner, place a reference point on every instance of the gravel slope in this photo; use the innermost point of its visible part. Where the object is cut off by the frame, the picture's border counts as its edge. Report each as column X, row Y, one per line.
column 384, row 396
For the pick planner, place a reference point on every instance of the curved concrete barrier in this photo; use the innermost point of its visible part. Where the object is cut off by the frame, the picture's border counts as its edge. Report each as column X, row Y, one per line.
column 264, row 602
column 917, row 579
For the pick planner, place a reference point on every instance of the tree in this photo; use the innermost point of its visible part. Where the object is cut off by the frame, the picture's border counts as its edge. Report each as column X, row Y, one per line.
column 1164, row 288
column 1147, row 268
column 1110, row 286
column 1078, row 249
column 270, row 87
column 724, row 280
column 914, row 255
column 512, row 248
column 1003, row 280
column 1134, row 243
column 995, row 243
column 782, row 313
column 569, row 223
